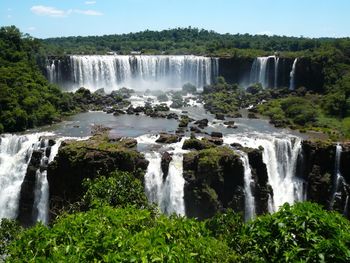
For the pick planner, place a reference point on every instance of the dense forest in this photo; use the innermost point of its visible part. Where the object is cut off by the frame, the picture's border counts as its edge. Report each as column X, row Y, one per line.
column 190, row 41
column 26, row 97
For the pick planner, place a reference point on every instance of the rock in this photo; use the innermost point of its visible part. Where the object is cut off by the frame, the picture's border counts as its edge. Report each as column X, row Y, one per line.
column 219, row 116
column 216, row 140
column 196, row 144
column 168, row 138
column 216, row 134
column 78, row 160
column 27, row 193
column 232, row 127
column 251, row 115
column 202, row 123
column 195, row 129
column 184, row 121
column 229, row 123
column 261, row 188
column 161, row 107
column 130, row 110
column 172, row 115
column 166, row 159
column 214, row 180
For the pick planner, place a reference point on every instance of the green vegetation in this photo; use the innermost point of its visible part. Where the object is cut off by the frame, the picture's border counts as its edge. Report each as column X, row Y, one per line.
column 120, row 189
column 26, row 97
column 187, row 41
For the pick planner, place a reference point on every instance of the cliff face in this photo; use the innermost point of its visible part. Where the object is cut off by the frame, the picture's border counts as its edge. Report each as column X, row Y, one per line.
column 77, row 160
column 308, row 74
column 320, row 173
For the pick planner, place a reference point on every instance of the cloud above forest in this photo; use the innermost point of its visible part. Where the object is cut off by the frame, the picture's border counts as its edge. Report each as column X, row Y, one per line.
column 55, row 12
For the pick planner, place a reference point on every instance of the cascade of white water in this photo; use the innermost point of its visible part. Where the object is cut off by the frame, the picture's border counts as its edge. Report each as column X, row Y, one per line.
column 168, row 194
column 338, row 179
column 113, row 72
column 277, row 59
column 15, row 154
column 248, row 181
column 292, row 75
column 259, row 72
column 280, row 156
column 41, row 192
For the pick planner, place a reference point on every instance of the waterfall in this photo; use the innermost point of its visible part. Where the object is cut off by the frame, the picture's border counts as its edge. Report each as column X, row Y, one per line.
column 168, row 194
column 292, row 75
column 338, row 178
column 280, row 156
column 41, row 197
column 249, row 212
column 15, row 154
column 115, row 71
column 259, row 72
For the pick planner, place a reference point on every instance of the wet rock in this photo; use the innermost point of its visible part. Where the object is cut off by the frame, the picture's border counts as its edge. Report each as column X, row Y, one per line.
column 161, row 107
column 78, row 160
column 251, row 115
column 214, row 180
column 202, row 123
column 168, row 138
column 196, row 144
column 195, row 129
column 172, row 115
column 216, row 140
column 219, row 116
column 165, row 161
column 229, row 123
column 216, row 134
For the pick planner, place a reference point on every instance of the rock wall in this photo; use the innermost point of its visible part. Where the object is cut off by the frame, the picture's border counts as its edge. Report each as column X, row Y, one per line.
column 78, row 160
column 320, row 174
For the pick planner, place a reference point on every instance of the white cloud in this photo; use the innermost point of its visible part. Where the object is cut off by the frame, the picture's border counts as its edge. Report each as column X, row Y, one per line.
column 48, row 11
column 88, row 12
column 90, row 2
column 54, row 12
column 9, row 16
column 267, row 32
column 9, row 9
column 31, row 28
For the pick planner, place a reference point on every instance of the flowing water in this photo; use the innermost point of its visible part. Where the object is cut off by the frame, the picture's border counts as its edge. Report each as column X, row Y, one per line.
column 138, row 72
column 292, row 75
column 280, row 156
column 167, row 193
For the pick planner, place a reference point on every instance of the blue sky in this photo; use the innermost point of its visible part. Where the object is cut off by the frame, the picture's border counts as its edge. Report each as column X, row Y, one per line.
column 50, row 18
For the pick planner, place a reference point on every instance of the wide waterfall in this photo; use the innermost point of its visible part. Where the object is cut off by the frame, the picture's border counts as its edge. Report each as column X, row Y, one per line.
column 167, row 193
column 138, row 72
column 281, row 157
column 292, row 75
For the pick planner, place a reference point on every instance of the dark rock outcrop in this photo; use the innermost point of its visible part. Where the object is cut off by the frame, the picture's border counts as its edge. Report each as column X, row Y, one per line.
column 78, row 160
column 166, row 159
column 214, row 180
column 261, row 188
column 168, row 138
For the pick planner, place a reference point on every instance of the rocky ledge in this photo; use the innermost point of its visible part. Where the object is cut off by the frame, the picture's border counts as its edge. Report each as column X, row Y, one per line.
column 99, row 155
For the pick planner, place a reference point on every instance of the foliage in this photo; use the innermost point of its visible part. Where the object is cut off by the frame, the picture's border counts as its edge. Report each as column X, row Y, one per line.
column 9, row 230
column 303, row 232
column 120, row 189
column 26, row 97
column 119, row 235
column 190, row 41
